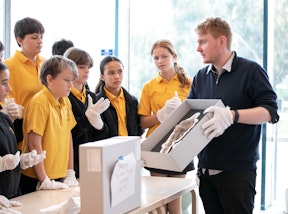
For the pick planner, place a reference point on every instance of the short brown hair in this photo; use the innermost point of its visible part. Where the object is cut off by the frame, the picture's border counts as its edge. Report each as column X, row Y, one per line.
column 217, row 27
column 54, row 66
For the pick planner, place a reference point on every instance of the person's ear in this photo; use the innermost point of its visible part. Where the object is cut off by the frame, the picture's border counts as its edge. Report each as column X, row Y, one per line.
column 222, row 41
column 49, row 79
column 19, row 41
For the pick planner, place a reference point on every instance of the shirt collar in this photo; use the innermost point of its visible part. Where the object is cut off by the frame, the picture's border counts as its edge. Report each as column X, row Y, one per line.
column 112, row 96
column 54, row 102
column 159, row 78
column 24, row 59
column 78, row 94
column 227, row 66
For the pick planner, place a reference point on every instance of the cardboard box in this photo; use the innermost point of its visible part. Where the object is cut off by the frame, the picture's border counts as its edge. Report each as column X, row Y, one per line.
column 97, row 162
column 191, row 144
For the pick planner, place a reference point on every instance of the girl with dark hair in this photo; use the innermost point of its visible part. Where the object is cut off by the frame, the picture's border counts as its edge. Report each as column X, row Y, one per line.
column 121, row 116
column 11, row 162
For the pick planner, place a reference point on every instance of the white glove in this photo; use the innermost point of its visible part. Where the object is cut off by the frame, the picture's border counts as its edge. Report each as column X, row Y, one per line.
column 30, row 159
column 70, row 179
column 221, row 120
column 9, row 161
column 6, row 203
column 94, row 110
column 50, row 184
column 169, row 107
column 12, row 109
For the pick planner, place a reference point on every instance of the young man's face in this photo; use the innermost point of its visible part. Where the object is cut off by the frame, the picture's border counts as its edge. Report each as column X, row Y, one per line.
column 208, row 47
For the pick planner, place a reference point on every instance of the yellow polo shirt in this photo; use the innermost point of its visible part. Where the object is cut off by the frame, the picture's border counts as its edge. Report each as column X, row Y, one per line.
column 119, row 104
column 156, row 92
column 24, row 78
column 53, row 120
column 79, row 95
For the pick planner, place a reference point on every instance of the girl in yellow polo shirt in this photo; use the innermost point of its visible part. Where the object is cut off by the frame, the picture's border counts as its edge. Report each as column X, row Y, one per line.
column 47, row 126
column 160, row 97
column 121, row 117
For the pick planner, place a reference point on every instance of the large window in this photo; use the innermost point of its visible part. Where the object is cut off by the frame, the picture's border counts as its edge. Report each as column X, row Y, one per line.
column 90, row 25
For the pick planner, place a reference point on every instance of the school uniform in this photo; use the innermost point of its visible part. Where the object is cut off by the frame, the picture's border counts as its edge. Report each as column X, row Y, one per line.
column 53, row 120
column 83, row 132
column 25, row 83
column 110, row 116
column 10, row 179
column 154, row 95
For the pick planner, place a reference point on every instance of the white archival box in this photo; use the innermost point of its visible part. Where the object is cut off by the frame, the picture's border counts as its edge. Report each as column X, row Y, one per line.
column 97, row 161
column 191, row 144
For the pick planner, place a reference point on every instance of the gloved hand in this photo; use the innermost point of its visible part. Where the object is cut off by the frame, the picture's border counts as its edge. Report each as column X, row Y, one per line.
column 50, row 184
column 12, row 109
column 94, row 110
column 6, row 203
column 222, row 118
column 169, row 107
column 30, row 159
column 9, row 161
column 70, row 179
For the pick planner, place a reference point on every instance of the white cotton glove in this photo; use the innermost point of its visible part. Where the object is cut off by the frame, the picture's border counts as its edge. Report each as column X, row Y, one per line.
column 169, row 107
column 6, row 203
column 30, row 159
column 50, row 184
column 70, row 179
column 9, row 161
column 12, row 109
column 94, row 110
column 222, row 118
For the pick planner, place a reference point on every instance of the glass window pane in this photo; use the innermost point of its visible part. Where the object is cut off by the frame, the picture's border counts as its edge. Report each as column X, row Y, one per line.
column 88, row 24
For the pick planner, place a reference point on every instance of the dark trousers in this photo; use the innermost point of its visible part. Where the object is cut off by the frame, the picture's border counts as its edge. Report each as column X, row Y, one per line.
column 27, row 184
column 227, row 192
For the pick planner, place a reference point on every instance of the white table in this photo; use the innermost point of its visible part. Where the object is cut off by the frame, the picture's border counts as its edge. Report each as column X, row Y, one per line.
column 155, row 193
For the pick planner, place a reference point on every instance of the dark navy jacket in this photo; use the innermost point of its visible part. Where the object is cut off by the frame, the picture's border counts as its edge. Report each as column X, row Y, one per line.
column 84, row 132
column 245, row 86
column 9, row 179
column 133, row 119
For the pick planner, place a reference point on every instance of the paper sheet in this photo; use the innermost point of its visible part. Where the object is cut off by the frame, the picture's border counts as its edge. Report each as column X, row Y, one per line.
column 123, row 179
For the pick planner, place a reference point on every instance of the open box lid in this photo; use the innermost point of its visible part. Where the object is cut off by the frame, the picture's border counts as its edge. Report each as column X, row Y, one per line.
column 190, row 145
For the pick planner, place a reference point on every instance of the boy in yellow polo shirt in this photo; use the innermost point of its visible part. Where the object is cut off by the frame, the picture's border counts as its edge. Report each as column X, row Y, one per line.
column 24, row 66
column 47, row 126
